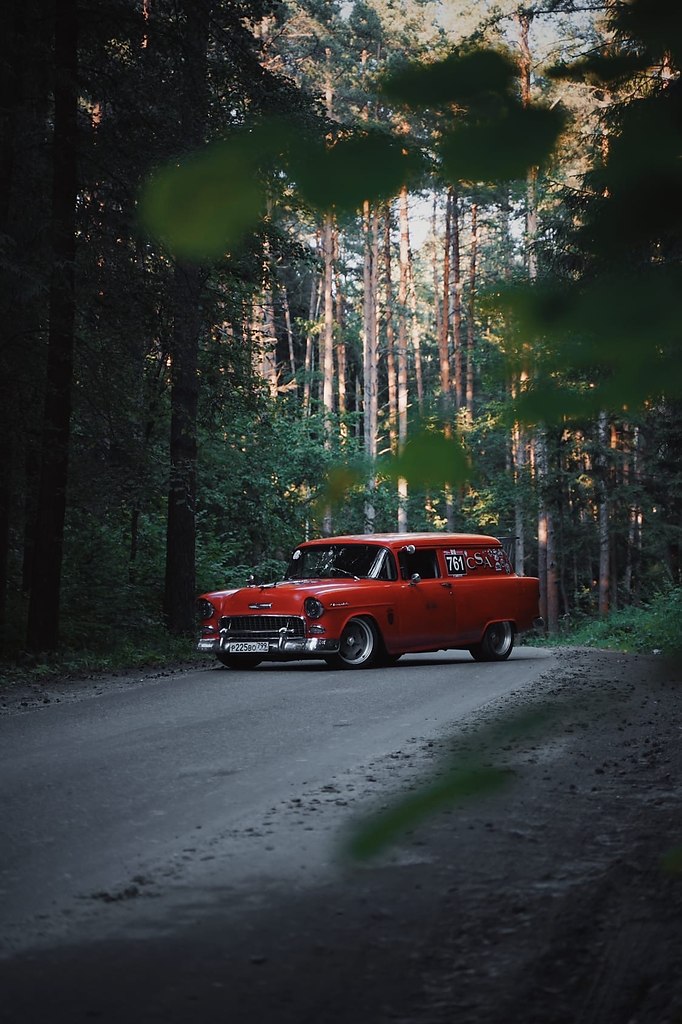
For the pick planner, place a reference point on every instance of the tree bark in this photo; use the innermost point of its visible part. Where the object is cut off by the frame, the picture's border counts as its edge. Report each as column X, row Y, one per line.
column 404, row 257
column 188, row 283
column 457, row 304
column 44, row 605
column 471, row 335
column 603, row 518
column 370, row 355
column 390, row 336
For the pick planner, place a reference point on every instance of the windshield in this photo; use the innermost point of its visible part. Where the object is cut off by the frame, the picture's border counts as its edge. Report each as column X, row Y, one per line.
column 334, row 561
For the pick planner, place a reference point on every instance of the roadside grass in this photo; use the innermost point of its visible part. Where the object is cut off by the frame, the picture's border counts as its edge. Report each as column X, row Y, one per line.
column 123, row 655
column 655, row 627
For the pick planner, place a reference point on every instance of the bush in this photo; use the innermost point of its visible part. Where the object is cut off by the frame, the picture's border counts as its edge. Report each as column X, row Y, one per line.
column 656, row 626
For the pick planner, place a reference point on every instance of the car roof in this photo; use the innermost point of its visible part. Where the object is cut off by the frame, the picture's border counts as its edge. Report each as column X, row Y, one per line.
column 418, row 539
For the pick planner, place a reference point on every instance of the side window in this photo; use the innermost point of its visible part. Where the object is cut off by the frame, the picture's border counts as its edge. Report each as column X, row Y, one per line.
column 424, row 561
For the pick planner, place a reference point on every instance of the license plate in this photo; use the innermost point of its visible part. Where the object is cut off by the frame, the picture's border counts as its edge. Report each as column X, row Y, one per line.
column 248, row 647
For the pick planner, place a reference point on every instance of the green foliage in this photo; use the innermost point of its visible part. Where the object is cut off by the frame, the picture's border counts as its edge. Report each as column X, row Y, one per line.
column 656, row 626
column 500, row 143
column 459, row 79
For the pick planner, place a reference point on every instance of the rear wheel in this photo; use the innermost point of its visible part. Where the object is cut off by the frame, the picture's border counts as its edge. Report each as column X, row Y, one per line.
column 359, row 646
column 497, row 643
column 239, row 660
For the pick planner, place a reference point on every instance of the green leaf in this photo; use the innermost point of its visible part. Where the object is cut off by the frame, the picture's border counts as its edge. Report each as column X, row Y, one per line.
column 429, row 459
column 502, row 145
column 599, row 69
column 338, row 482
column 383, row 829
column 457, row 79
column 342, row 175
column 204, row 204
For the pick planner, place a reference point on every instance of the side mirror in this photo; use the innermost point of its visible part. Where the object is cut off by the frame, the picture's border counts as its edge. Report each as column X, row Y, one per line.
column 409, row 548
column 415, row 578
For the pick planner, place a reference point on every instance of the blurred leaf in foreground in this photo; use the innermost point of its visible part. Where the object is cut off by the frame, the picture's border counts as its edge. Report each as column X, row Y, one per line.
column 342, row 175
column 203, row 204
column 430, row 458
column 471, row 776
column 621, row 331
column 672, row 861
column 387, row 826
column 456, row 79
column 502, row 143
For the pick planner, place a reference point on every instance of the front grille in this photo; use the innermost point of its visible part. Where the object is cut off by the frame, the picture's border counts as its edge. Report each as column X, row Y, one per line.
column 261, row 627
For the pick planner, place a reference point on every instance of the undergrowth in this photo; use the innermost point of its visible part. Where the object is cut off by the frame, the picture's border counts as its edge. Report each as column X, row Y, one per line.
column 653, row 628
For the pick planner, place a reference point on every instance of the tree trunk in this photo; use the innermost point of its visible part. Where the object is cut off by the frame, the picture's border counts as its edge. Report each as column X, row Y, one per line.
column 290, row 333
column 43, row 621
column 404, row 252
column 603, row 517
column 457, row 305
column 341, row 362
column 370, row 355
column 327, row 337
column 180, row 586
column 308, row 361
column 188, row 282
column 547, row 559
column 444, row 335
column 390, row 336
column 471, row 314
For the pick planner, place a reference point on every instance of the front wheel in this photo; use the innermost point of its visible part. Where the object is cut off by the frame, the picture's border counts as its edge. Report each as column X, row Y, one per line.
column 359, row 646
column 239, row 660
column 497, row 643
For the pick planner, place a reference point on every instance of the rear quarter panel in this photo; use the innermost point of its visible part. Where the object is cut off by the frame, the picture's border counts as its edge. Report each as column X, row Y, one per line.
column 478, row 602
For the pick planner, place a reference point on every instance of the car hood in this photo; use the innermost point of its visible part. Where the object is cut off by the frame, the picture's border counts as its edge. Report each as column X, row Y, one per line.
column 288, row 597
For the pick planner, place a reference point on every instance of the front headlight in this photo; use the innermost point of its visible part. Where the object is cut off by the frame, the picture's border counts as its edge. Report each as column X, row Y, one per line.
column 205, row 609
column 313, row 608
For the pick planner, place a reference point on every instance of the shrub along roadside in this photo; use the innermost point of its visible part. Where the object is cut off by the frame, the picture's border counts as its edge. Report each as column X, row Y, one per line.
column 654, row 627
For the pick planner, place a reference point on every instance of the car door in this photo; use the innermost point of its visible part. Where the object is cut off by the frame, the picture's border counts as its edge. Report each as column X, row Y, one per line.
column 427, row 606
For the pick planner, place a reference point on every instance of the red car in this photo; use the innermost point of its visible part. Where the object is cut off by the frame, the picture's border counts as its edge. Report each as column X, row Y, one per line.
column 365, row 600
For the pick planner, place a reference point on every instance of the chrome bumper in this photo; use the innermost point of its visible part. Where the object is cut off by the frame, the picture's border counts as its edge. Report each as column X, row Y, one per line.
column 314, row 645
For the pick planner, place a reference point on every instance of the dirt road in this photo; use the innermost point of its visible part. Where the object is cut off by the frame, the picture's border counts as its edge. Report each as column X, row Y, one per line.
column 558, row 900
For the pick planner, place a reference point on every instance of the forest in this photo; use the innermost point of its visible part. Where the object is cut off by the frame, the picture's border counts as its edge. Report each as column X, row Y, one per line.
column 272, row 269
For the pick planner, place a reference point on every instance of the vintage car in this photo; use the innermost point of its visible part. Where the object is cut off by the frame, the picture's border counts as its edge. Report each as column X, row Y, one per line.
column 365, row 600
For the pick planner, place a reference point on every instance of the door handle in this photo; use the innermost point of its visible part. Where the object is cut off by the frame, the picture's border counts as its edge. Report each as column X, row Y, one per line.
column 448, row 586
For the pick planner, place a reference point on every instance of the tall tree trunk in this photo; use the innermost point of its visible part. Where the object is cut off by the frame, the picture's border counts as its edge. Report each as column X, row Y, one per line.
column 547, row 564
column 43, row 621
column 635, row 517
column 404, row 257
column 444, row 335
column 180, row 587
column 603, row 517
column 444, row 348
column 457, row 304
column 434, row 269
column 390, row 336
column 471, row 334
column 370, row 355
column 11, row 61
column 289, row 329
column 327, row 337
column 341, row 362
column 308, row 360
column 188, row 283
